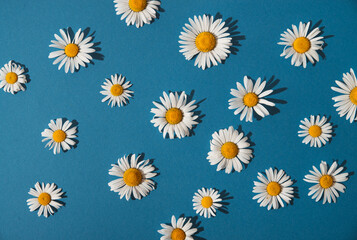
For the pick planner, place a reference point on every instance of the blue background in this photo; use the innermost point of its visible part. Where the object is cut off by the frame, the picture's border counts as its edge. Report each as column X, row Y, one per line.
column 149, row 57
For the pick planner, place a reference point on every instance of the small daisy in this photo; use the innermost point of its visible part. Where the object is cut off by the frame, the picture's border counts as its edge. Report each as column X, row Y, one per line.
column 178, row 230
column 174, row 116
column 327, row 182
column 228, row 149
column 59, row 135
column 137, row 12
column 301, row 44
column 12, row 78
column 45, row 198
column 273, row 190
column 206, row 38
column 206, row 201
column 346, row 103
column 316, row 131
column 249, row 99
column 74, row 52
column 116, row 90
column 134, row 177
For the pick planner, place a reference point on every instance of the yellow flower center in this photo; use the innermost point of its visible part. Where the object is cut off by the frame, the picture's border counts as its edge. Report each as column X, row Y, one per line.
column 132, row 177
column 250, row 99
column 59, row 136
column 315, row 131
column 229, row 150
column 137, row 5
column 353, row 96
column 11, row 77
column 178, row 234
column 71, row 50
column 44, row 199
column 174, row 116
column 206, row 202
column 116, row 90
column 205, row 41
column 273, row 188
column 326, row 181
column 302, row 45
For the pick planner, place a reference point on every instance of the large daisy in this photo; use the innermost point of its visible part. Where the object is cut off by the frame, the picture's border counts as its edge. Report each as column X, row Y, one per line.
column 346, row 103
column 174, row 116
column 206, row 202
column 116, row 90
column 45, row 198
column 73, row 52
column 59, row 135
column 12, row 77
column 301, row 44
column 327, row 182
column 274, row 189
column 178, row 230
column 134, row 177
column 316, row 131
column 137, row 12
column 207, row 38
column 229, row 148
column 249, row 99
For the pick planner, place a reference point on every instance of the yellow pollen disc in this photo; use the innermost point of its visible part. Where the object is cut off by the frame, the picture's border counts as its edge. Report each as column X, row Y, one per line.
column 205, row 41
column 206, row 202
column 178, row 234
column 315, row 131
column 132, row 177
column 116, row 90
column 250, row 99
column 59, row 136
column 71, row 50
column 326, row 181
column 11, row 77
column 137, row 5
column 273, row 188
column 229, row 150
column 302, row 45
column 174, row 116
column 44, row 199
column 353, row 96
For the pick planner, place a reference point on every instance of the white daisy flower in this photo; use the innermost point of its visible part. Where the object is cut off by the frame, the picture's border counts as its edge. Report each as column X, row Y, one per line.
column 137, row 12
column 134, row 177
column 116, row 90
column 12, row 78
column 206, row 38
column 59, row 135
column 273, row 190
column 45, row 199
column 228, row 149
column 301, row 44
column 73, row 52
column 206, row 202
column 249, row 99
column 316, row 131
column 178, row 230
column 327, row 182
column 174, row 116
column 346, row 103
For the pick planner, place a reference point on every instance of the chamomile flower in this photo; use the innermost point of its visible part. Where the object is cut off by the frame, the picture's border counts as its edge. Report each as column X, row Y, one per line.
column 229, row 148
column 116, row 90
column 174, row 116
column 301, row 44
column 316, row 131
column 134, row 177
column 73, row 52
column 327, row 182
column 206, row 202
column 137, row 12
column 59, row 135
column 207, row 38
column 12, row 78
column 346, row 103
column 45, row 199
column 274, row 189
column 178, row 230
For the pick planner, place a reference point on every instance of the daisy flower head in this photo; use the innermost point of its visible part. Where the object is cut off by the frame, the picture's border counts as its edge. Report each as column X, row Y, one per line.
column 301, row 44
column 229, row 148
column 327, row 182
column 134, row 177
column 12, row 77
column 178, row 230
column 207, row 39
column 59, row 135
column 346, row 103
column 206, row 202
column 137, row 12
column 116, row 90
column 316, row 131
column 73, row 52
column 174, row 116
column 249, row 99
column 274, row 189
column 46, row 199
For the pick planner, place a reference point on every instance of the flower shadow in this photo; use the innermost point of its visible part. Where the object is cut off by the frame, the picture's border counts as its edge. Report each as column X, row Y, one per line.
column 26, row 71
column 251, row 145
column 195, row 224
column 225, row 196
column 321, row 28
